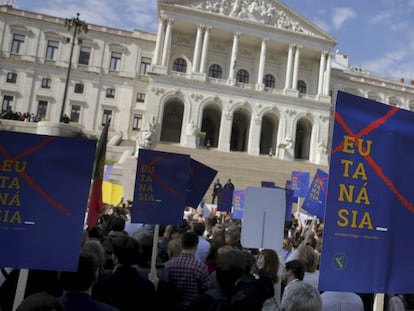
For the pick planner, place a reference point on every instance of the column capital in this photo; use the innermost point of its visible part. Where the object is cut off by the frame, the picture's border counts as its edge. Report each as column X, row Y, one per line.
column 208, row 27
column 237, row 33
column 265, row 39
column 170, row 20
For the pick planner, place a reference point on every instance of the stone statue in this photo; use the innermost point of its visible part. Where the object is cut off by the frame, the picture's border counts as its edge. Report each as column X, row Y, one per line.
column 146, row 138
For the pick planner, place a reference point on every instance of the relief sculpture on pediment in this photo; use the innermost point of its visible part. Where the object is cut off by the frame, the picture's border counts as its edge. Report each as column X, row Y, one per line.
column 262, row 11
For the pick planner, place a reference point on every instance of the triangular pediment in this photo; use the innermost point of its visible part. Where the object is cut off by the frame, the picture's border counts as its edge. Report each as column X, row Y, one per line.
column 267, row 12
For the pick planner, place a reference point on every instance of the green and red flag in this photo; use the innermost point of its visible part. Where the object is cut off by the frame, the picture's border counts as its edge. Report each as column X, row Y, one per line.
column 95, row 195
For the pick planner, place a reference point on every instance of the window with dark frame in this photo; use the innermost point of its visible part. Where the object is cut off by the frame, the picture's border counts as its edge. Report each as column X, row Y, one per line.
column 17, row 44
column 140, row 97
column 107, row 114
column 180, row 65
column 84, row 55
column 79, row 88
column 110, row 93
column 137, row 122
column 11, row 77
column 302, row 87
column 269, row 81
column 42, row 109
column 215, row 71
column 242, row 76
column 52, row 47
column 145, row 65
column 115, row 63
column 46, row 83
column 75, row 113
column 7, row 103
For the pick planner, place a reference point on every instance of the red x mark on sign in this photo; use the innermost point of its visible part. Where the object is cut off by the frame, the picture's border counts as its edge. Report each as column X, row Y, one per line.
column 377, row 169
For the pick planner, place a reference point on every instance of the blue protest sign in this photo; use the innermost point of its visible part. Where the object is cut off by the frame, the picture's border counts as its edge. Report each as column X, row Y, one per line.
column 268, row 184
column 315, row 200
column 300, row 183
column 200, row 178
column 369, row 215
column 44, row 187
column 289, row 187
column 225, row 200
column 238, row 204
column 160, row 187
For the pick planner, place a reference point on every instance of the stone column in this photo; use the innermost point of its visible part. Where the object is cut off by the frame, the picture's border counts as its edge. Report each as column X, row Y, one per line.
column 233, row 60
column 225, row 130
column 253, row 147
column 167, row 42
column 160, row 38
column 262, row 62
column 197, row 48
column 204, row 54
column 288, row 79
column 296, row 68
column 322, row 65
column 328, row 75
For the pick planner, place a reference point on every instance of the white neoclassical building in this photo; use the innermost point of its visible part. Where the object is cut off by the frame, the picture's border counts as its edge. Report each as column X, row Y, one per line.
column 238, row 75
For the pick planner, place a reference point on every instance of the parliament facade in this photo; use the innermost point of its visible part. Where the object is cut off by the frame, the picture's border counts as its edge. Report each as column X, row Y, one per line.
column 247, row 76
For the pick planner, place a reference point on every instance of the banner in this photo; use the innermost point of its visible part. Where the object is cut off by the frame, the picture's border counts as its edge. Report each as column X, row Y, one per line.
column 238, row 204
column 315, row 200
column 268, row 184
column 300, row 183
column 44, row 187
column 160, row 187
column 200, row 179
column 368, row 243
column 225, row 200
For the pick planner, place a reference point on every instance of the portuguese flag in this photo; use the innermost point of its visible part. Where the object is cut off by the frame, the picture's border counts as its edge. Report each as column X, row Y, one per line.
column 95, row 195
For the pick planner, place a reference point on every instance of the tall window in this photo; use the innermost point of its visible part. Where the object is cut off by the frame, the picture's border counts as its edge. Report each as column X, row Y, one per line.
column 11, row 77
column 145, row 65
column 137, row 122
column 242, row 76
column 107, row 114
column 17, row 44
column 84, row 55
column 110, row 93
column 52, row 47
column 75, row 113
column 140, row 97
column 180, row 65
column 7, row 102
column 115, row 61
column 269, row 81
column 78, row 88
column 42, row 109
column 46, row 83
column 302, row 87
column 215, row 71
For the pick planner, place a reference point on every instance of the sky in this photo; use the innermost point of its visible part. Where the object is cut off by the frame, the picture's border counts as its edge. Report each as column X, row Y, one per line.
column 377, row 35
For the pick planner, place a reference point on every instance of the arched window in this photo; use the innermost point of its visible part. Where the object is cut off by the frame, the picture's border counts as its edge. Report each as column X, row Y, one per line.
column 215, row 71
column 180, row 65
column 269, row 81
column 242, row 76
column 302, row 87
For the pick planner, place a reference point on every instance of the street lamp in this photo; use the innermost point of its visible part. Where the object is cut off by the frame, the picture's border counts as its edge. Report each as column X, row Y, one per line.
column 79, row 26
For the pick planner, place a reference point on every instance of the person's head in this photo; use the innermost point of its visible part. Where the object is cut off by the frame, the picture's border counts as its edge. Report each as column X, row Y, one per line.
column 294, row 269
column 198, row 228
column 189, row 242
column 309, row 256
column 230, row 267
column 125, row 250
column 117, row 223
column 268, row 260
column 41, row 301
column 96, row 246
column 85, row 276
column 301, row 296
column 174, row 248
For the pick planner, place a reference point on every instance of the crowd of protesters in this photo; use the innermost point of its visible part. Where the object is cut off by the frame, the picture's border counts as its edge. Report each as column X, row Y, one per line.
column 18, row 116
column 200, row 265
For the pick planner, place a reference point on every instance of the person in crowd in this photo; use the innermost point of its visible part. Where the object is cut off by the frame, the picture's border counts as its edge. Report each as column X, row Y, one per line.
column 77, row 286
column 268, row 260
column 203, row 245
column 301, row 296
column 229, row 185
column 188, row 276
column 216, row 187
column 120, row 287
column 41, row 301
column 237, row 288
column 341, row 301
column 294, row 271
column 309, row 256
column 218, row 234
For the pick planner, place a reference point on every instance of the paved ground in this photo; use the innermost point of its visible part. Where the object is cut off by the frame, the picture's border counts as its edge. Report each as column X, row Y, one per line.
column 244, row 170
